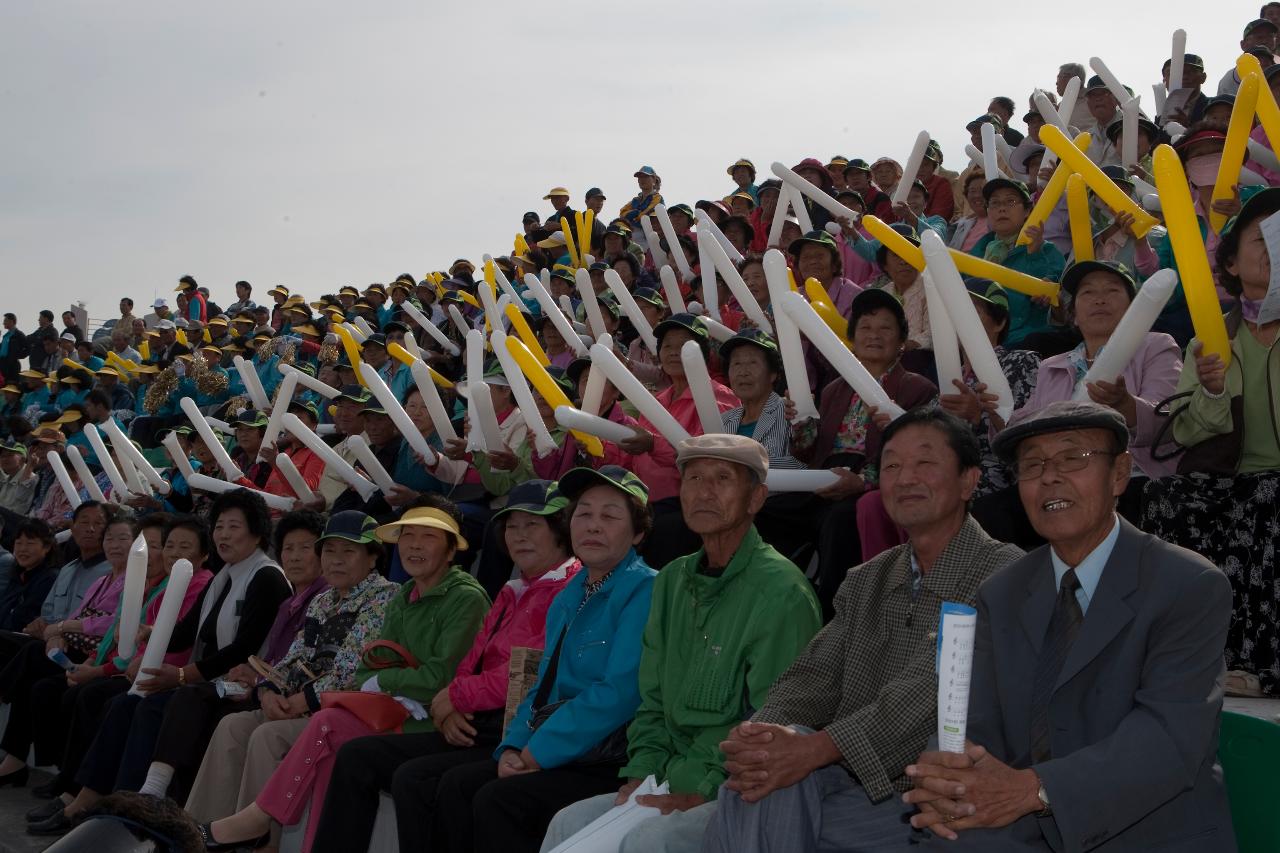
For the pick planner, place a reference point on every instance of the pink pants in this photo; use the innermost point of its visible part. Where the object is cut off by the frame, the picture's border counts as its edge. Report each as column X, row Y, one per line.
column 876, row 529
column 303, row 776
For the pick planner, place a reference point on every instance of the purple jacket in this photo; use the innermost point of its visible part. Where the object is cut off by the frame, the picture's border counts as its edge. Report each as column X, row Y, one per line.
column 1151, row 377
column 289, row 619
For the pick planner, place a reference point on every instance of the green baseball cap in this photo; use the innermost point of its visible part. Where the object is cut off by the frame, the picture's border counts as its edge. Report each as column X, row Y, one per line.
column 752, row 337
column 577, row 481
column 250, row 418
column 13, row 447
column 307, row 406
column 988, row 291
column 817, row 238
column 690, row 323
column 351, row 525
column 648, row 294
column 1075, row 274
column 537, row 497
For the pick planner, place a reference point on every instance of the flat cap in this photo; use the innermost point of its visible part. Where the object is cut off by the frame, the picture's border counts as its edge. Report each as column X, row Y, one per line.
column 739, row 449
column 1061, row 416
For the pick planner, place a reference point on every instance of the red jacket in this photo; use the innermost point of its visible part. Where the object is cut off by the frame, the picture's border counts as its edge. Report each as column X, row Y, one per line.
column 942, row 201
column 514, row 621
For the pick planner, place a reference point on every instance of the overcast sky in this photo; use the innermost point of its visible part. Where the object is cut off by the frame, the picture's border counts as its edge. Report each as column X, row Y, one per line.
column 316, row 144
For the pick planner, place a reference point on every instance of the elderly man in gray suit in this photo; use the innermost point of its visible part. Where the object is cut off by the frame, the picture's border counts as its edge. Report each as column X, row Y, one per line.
column 1098, row 671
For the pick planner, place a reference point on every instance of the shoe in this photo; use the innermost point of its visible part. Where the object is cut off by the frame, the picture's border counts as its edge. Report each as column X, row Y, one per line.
column 44, row 811
column 206, row 833
column 58, row 824
column 49, row 790
column 17, row 778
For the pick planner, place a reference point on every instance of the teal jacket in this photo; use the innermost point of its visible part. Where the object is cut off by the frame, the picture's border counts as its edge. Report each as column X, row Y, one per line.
column 712, row 648
column 596, row 677
column 1025, row 317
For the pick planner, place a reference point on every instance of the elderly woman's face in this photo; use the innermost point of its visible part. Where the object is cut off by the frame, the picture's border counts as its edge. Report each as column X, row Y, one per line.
column 30, row 551
column 753, row 276
column 815, row 261
column 749, row 374
column 602, row 529
column 877, row 338
column 344, row 564
column 182, row 544
column 669, row 351
column 232, row 536
column 1100, row 302
column 885, row 174
column 298, row 558
column 425, row 552
column 1252, row 263
column 115, row 544
column 532, row 543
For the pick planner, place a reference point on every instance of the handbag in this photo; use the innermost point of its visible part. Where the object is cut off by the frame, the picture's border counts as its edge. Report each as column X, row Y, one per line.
column 379, row 711
column 611, row 750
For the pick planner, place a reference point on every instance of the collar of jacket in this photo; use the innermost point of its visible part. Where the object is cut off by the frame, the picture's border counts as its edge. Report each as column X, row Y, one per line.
column 452, row 578
column 709, row 587
column 953, row 565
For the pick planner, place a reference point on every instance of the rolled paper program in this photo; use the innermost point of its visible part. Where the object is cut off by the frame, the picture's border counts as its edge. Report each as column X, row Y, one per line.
column 364, row 455
column 542, row 440
column 793, row 362
column 912, row 168
column 580, row 421
column 838, row 354
column 957, row 626
column 630, row 308
column 119, row 486
column 76, row 458
column 135, row 583
column 946, row 346
column 396, row 412
column 340, row 466
column 64, row 479
column 587, row 293
column 704, row 397
column 252, row 384
column 288, row 386
column 964, row 317
column 669, row 231
column 308, row 381
column 1189, row 253
column 1235, row 148
column 799, row 479
column 1130, row 332
column 167, row 617
column 431, row 398
column 631, row 388
column 1078, row 218
column 229, row 469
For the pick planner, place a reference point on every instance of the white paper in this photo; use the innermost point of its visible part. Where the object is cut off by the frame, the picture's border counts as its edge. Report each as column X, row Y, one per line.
column 956, row 628
column 606, row 833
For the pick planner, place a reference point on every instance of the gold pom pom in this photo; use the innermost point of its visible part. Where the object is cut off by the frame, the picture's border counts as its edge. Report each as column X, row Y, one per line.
column 159, row 392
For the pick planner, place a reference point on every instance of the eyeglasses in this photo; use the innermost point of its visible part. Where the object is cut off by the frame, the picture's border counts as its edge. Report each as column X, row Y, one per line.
column 1064, row 463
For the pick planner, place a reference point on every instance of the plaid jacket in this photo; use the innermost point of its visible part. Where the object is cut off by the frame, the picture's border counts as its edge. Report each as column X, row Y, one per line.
column 868, row 677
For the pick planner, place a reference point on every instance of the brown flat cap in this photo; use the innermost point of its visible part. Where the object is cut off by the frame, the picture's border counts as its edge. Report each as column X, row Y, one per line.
column 731, row 448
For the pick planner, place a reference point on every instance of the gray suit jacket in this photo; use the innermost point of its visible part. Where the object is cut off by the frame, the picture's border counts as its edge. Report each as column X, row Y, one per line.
column 1136, row 709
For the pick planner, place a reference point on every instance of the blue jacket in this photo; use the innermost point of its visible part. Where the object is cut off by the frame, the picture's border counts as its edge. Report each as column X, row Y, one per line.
column 599, row 665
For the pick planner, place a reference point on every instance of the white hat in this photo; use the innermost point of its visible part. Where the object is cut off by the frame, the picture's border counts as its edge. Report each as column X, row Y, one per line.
column 159, row 303
column 68, row 336
column 165, row 325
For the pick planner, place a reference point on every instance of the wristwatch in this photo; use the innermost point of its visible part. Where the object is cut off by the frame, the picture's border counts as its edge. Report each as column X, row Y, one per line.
column 1043, row 795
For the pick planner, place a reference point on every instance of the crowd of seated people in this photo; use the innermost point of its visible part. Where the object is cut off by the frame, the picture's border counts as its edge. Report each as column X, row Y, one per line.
column 415, row 574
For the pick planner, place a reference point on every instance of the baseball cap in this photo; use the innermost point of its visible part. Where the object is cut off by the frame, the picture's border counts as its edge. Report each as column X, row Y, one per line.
column 351, row 525
column 537, row 497
column 578, row 480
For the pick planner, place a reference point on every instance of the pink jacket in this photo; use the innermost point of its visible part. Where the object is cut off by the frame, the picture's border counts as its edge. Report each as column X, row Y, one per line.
column 517, row 619
column 1151, row 376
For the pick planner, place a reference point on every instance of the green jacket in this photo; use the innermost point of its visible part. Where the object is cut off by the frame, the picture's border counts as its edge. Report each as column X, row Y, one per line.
column 712, row 648
column 437, row 629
